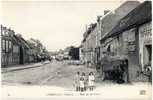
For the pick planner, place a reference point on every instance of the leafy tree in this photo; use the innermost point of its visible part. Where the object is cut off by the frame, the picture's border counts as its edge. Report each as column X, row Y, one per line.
column 38, row 47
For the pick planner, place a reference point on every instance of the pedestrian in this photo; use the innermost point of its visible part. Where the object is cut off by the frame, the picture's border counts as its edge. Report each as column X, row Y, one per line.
column 149, row 73
column 85, row 81
column 125, row 71
column 82, row 82
column 91, row 80
column 77, row 81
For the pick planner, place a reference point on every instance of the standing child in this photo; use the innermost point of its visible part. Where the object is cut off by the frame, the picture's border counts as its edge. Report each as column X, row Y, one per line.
column 91, row 80
column 82, row 82
column 77, row 81
column 85, row 81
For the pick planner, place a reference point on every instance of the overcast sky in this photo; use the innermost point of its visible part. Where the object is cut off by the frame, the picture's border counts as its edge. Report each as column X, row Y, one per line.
column 56, row 24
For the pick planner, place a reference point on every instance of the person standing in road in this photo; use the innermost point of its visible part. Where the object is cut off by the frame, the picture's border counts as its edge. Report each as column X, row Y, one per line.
column 85, row 81
column 77, row 81
column 149, row 73
column 91, row 80
column 82, row 82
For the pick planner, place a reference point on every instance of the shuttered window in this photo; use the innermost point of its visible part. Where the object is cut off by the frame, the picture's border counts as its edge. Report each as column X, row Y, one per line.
column 3, row 45
column 6, row 45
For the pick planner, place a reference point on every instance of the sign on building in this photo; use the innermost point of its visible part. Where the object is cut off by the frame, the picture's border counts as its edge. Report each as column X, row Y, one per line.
column 131, row 40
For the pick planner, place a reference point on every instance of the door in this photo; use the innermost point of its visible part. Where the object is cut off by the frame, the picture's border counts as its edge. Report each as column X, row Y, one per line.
column 21, row 56
column 147, row 54
column 149, row 50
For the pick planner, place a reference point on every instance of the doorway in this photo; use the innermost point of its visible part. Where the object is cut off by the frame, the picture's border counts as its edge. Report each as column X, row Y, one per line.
column 21, row 56
column 147, row 54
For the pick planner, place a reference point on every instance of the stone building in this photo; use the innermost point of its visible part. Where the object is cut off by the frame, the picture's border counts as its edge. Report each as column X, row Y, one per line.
column 24, row 49
column 74, row 53
column 91, row 47
column 131, row 39
column 89, row 44
column 10, row 53
column 14, row 48
column 110, row 19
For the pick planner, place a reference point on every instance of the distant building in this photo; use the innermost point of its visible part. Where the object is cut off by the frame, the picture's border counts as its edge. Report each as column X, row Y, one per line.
column 81, row 54
column 88, row 44
column 74, row 53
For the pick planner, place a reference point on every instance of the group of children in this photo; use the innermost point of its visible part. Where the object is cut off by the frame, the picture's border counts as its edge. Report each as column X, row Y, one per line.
column 83, row 82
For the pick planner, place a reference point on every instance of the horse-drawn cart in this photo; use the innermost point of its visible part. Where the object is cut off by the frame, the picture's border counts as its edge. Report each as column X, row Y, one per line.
column 114, row 68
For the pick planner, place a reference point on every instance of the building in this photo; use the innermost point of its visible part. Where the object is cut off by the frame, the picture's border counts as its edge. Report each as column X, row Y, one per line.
column 88, row 45
column 92, row 49
column 14, row 48
column 81, row 55
column 9, row 47
column 131, row 39
column 24, row 49
column 110, row 19
column 74, row 53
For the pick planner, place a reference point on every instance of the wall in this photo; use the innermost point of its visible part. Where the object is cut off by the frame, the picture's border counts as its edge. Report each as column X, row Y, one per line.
column 144, row 39
column 9, row 56
column 90, row 46
column 109, row 20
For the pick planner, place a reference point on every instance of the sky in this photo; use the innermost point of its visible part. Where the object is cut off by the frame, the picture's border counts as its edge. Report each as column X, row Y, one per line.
column 57, row 24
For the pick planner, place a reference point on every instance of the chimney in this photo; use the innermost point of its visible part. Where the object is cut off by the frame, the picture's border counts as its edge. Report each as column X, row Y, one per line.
column 18, row 35
column 98, row 18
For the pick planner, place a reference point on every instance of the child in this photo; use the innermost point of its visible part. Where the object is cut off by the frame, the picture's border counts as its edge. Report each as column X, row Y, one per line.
column 77, row 79
column 91, row 80
column 82, row 82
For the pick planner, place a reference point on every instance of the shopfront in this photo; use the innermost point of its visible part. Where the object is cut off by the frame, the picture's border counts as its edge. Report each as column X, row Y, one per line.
column 145, row 45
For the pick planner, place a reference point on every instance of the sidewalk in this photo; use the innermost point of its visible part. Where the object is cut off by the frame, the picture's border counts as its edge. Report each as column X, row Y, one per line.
column 22, row 67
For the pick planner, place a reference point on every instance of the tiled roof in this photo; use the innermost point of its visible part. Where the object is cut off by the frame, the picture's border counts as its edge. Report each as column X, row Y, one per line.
column 22, row 42
column 136, row 17
column 15, row 40
column 89, row 30
column 25, row 43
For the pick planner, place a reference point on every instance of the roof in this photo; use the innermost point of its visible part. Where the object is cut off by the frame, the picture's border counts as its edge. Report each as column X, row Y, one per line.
column 15, row 40
column 22, row 42
column 25, row 43
column 89, row 30
column 138, row 16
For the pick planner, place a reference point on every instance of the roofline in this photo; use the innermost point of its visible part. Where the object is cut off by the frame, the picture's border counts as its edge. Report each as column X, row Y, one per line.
column 120, row 32
column 128, row 27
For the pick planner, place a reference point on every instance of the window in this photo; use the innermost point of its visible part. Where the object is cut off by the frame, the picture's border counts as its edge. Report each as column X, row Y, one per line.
column 15, row 49
column 6, row 46
column 3, row 45
column 118, row 38
column 6, row 32
column 147, row 55
column 2, row 58
column 109, row 48
column 3, row 31
column 10, row 44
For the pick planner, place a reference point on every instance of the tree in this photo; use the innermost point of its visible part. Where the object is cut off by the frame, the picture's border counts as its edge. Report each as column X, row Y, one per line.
column 38, row 48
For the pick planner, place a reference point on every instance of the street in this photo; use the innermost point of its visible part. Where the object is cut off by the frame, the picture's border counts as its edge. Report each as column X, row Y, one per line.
column 55, row 74
column 56, row 77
